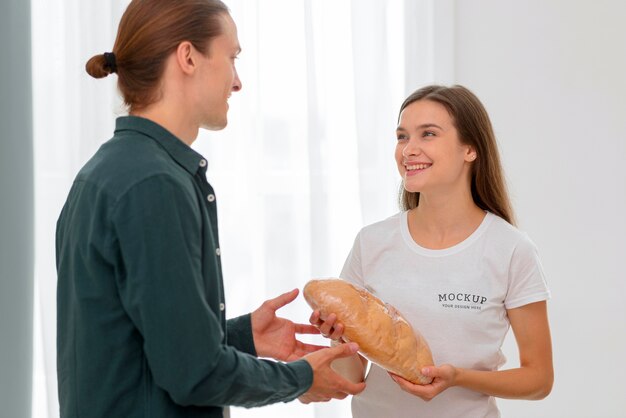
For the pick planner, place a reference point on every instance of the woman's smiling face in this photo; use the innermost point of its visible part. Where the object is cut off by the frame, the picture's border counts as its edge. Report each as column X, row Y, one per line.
column 429, row 153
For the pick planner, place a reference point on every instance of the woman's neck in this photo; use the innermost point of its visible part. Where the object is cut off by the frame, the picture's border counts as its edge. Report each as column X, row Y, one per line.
column 444, row 221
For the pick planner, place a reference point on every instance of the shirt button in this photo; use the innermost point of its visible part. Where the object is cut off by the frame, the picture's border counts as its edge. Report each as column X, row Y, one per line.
column 218, row 251
column 222, row 306
column 211, row 198
column 203, row 163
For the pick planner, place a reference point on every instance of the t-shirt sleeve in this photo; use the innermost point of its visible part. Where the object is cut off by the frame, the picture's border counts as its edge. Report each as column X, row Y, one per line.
column 353, row 269
column 527, row 283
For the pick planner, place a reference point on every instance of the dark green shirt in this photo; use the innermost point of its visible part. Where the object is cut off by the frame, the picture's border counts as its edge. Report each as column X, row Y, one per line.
column 141, row 316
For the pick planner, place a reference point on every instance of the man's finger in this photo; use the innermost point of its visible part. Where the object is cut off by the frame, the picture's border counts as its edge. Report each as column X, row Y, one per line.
column 351, row 388
column 281, row 300
column 343, row 350
column 306, row 329
column 304, row 349
column 340, row 395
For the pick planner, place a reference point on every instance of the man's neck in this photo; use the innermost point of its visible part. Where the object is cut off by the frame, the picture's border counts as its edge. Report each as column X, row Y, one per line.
column 171, row 118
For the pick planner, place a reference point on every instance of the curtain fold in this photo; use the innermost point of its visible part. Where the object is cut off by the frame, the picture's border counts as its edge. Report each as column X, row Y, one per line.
column 306, row 161
column 72, row 115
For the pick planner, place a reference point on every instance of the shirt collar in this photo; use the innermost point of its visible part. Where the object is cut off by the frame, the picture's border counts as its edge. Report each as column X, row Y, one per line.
column 180, row 152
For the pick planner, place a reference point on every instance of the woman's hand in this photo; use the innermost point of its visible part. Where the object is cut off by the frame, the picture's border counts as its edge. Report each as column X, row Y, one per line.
column 443, row 378
column 328, row 327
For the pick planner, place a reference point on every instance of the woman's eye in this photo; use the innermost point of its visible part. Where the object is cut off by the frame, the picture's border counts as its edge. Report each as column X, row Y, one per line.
column 402, row 137
column 428, row 133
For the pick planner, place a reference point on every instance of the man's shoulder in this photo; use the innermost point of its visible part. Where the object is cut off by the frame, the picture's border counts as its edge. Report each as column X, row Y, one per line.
column 123, row 162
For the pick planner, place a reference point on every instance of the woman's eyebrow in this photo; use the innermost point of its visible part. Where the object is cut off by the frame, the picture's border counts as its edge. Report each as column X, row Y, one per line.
column 422, row 126
column 429, row 125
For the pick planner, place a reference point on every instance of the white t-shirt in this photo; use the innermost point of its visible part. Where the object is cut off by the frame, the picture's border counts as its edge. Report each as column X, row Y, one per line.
column 456, row 298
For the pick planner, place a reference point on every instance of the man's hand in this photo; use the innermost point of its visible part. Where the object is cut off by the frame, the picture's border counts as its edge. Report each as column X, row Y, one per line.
column 275, row 337
column 327, row 384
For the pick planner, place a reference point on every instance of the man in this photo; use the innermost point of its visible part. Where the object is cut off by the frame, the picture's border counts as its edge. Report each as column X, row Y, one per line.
column 142, row 330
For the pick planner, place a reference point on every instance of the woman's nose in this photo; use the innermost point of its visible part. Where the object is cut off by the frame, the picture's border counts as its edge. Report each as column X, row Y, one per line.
column 411, row 148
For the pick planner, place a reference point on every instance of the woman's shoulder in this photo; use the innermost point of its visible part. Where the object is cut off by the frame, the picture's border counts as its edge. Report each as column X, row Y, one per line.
column 505, row 233
column 381, row 231
column 386, row 224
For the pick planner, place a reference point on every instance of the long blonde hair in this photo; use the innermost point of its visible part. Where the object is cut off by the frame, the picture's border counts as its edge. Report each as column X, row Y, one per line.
column 474, row 127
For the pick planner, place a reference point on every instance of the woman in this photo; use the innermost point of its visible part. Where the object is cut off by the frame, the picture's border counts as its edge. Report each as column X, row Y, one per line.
column 142, row 327
column 453, row 263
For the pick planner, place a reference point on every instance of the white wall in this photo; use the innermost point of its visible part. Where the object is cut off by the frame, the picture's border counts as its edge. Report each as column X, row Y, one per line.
column 552, row 75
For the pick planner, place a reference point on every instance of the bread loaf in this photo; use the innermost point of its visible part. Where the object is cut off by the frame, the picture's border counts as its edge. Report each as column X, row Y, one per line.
column 383, row 335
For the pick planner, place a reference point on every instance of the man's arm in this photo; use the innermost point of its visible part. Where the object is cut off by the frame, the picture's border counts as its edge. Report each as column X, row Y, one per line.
column 158, row 226
column 239, row 334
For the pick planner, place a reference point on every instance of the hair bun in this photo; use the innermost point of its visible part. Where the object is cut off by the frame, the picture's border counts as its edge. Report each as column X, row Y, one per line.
column 98, row 67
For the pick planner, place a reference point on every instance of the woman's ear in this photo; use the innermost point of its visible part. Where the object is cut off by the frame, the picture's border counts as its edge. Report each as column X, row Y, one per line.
column 470, row 154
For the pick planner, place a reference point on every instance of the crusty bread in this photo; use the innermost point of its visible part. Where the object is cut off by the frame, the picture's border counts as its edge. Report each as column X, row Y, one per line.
column 383, row 335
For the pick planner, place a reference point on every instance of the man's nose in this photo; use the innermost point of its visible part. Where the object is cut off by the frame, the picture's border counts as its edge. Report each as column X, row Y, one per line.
column 237, row 82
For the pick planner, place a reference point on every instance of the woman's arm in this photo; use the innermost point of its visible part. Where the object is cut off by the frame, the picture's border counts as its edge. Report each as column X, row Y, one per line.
column 352, row 367
column 532, row 380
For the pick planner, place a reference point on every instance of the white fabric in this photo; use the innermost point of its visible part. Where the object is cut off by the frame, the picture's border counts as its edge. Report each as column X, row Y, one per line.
column 456, row 297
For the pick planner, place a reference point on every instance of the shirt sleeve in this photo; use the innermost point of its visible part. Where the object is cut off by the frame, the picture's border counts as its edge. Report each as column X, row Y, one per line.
column 158, row 228
column 527, row 283
column 239, row 331
column 352, row 269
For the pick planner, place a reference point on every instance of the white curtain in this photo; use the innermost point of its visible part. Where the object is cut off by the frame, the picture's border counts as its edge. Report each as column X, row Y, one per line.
column 307, row 158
